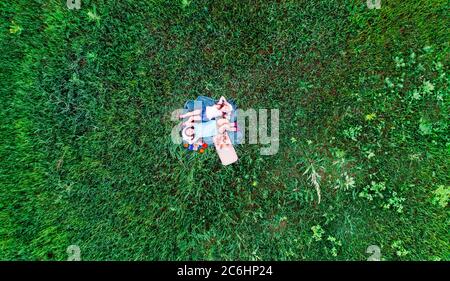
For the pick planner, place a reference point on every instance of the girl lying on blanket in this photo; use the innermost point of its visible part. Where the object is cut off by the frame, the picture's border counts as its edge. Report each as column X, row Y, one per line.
column 211, row 122
column 222, row 109
column 194, row 132
column 218, row 130
column 225, row 149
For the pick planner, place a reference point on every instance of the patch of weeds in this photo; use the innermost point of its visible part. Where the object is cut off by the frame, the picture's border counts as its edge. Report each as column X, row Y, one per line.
column 441, row 195
column 378, row 191
column 398, row 247
column 317, row 232
column 334, row 244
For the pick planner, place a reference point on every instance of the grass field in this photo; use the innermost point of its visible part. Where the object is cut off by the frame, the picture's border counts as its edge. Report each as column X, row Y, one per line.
column 86, row 156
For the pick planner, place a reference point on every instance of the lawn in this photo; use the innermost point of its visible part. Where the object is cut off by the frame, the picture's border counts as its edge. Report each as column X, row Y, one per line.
column 86, row 156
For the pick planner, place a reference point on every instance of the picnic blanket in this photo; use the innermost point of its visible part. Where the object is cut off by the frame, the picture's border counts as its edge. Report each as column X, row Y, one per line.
column 190, row 105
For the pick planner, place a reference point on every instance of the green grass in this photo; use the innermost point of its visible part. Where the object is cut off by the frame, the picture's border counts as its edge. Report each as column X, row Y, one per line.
column 86, row 157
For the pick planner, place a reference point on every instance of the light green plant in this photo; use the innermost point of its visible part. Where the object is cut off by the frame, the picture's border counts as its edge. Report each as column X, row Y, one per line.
column 374, row 190
column 441, row 196
column 399, row 249
column 353, row 132
column 335, row 244
column 395, row 202
column 317, row 232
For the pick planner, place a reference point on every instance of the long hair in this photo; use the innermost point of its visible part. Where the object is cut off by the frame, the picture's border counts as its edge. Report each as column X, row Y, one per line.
column 221, row 105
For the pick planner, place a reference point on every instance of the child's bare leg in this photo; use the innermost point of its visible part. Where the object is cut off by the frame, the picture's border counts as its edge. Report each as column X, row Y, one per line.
column 192, row 113
column 222, row 140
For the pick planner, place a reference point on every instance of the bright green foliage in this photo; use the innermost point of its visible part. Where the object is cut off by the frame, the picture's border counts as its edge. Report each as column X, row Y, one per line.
column 86, row 157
